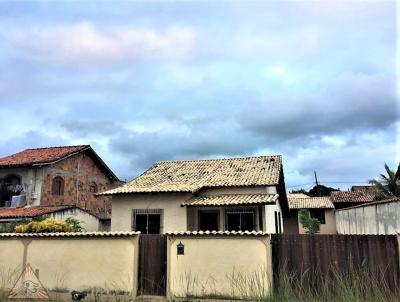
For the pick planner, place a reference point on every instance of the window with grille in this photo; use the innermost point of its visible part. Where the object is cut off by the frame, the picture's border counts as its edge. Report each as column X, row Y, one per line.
column 147, row 221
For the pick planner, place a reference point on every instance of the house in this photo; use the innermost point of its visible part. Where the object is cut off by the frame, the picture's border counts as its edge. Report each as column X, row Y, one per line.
column 320, row 208
column 380, row 218
column 345, row 199
column 233, row 194
column 10, row 216
column 67, row 175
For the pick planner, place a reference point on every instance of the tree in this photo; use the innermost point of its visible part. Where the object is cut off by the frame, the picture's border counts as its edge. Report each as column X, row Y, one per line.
column 387, row 184
column 309, row 223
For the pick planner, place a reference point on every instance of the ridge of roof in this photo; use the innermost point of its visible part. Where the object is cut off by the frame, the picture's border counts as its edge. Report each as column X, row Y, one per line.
column 55, row 147
column 215, row 159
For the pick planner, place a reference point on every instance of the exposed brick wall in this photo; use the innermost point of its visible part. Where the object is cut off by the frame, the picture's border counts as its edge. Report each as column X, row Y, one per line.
column 80, row 168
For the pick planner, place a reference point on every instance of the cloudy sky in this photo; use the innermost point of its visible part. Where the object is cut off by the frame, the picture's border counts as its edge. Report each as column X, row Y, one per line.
column 143, row 81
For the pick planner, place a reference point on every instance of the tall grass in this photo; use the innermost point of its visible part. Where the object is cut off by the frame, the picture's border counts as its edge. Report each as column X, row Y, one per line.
column 352, row 285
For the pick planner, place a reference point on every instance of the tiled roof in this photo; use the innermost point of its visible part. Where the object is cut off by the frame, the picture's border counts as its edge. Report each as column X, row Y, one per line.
column 297, row 195
column 231, row 200
column 30, row 211
column 217, row 233
column 353, row 196
column 192, row 175
column 39, row 156
column 80, row 234
column 310, row 203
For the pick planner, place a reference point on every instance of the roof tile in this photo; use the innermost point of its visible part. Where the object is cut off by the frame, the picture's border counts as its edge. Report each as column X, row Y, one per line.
column 31, row 211
column 192, row 175
column 310, row 203
column 353, row 196
column 231, row 200
column 30, row 157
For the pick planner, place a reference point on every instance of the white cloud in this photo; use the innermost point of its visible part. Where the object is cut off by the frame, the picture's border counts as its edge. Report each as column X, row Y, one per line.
column 84, row 42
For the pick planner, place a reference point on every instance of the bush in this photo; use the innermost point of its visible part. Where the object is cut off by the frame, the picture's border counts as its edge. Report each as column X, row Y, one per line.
column 49, row 225
column 310, row 224
column 75, row 224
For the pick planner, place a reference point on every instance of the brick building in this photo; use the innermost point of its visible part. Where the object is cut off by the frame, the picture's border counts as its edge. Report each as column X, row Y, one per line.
column 68, row 175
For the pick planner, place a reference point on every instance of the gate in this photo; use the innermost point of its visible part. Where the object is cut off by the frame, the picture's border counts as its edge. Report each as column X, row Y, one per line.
column 311, row 259
column 152, row 265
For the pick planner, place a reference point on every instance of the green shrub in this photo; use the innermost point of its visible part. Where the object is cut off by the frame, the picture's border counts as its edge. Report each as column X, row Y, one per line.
column 309, row 223
column 49, row 225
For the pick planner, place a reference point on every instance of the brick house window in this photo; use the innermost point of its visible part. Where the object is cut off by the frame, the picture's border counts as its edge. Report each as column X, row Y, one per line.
column 58, row 186
column 93, row 187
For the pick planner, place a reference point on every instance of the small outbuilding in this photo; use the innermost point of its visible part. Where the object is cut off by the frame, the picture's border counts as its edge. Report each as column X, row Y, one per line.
column 9, row 217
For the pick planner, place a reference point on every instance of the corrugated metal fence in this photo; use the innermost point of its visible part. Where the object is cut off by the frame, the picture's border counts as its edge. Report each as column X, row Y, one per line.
column 311, row 259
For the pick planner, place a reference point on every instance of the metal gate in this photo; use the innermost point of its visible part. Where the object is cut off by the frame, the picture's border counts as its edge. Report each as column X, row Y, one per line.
column 152, row 265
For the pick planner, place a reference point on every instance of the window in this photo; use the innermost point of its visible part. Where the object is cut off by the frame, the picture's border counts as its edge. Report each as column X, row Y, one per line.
column 12, row 180
column 93, row 187
column 58, row 186
column 208, row 220
column 240, row 221
column 319, row 214
column 147, row 221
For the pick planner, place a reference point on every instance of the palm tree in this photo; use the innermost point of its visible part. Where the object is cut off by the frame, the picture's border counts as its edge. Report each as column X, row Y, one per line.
column 387, row 184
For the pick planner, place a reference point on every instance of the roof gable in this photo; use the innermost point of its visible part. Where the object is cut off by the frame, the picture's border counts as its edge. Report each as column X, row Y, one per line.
column 50, row 155
column 192, row 175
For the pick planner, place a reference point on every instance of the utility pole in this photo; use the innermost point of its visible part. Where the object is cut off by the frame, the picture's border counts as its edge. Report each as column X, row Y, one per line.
column 316, row 184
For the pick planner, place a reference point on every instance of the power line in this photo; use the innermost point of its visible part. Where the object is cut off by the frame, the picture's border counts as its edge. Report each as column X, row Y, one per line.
column 330, row 182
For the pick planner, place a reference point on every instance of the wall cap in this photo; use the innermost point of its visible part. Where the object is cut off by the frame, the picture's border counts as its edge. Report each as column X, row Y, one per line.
column 77, row 234
column 216, row 233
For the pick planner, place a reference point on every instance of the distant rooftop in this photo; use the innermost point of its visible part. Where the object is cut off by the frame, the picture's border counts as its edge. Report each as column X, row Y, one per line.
column 31, row 211
column 39, row 156
column 50, row 155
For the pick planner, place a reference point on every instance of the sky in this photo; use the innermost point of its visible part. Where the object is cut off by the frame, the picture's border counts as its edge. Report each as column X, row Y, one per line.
column 144, row 81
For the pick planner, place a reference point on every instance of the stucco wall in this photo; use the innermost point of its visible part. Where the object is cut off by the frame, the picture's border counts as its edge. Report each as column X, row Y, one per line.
column 89, row 222
column 223, row 266
column 74, row 264
column 329, row 227
column 269, row 221
column 380, row 219
column 174, row 216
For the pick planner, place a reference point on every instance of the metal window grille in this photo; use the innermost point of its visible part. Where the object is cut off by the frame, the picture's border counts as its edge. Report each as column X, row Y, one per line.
column 148, row 211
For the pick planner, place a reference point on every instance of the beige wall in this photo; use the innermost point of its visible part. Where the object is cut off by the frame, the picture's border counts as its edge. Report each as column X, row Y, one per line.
column 177, row 218
column 330, row 224
column 88, row 221
column 379, row 219
column 174, row 216
column 74, row 263
column 223, row 266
